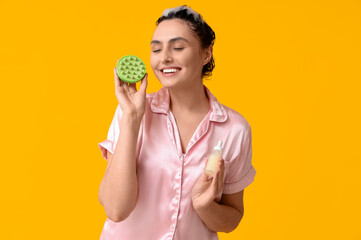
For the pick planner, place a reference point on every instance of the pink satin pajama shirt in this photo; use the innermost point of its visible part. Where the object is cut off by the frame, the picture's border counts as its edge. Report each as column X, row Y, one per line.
column 166, row 176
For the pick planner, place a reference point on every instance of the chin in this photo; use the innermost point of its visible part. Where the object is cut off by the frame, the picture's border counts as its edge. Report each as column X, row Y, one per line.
column 168, row 82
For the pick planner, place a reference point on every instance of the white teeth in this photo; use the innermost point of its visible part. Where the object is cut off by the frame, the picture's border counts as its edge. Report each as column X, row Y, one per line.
column 169, row 70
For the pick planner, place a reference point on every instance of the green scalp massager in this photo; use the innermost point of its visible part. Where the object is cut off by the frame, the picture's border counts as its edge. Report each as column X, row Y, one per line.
column 130, row 69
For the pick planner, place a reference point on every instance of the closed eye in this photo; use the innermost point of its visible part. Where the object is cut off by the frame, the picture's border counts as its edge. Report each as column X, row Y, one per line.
column 178, row 49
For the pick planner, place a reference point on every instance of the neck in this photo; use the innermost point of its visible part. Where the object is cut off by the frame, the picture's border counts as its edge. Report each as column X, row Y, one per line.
column 190, row 100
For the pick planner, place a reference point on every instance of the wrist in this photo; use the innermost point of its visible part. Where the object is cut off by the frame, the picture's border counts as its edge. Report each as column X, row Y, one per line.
column 203, row 208
column 131, row 119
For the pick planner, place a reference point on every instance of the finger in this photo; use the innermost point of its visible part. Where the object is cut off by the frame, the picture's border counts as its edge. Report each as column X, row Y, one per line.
column 220, row 163
column 217, row 176
column 222, row 168
column 214, row 184
column 119, row 88
column 126, row 87
column 221, row 176
column 118, row 82
column 132, row 87
column 215, row 187
column 144, row 84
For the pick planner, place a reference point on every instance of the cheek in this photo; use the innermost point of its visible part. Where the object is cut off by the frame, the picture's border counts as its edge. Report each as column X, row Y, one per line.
column 192, row 60
column 152, row 62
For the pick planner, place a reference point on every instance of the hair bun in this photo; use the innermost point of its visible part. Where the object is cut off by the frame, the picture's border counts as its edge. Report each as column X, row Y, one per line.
column 189, row 10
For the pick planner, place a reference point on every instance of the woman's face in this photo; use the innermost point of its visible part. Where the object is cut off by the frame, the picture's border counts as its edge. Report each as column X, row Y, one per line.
column 175, row 47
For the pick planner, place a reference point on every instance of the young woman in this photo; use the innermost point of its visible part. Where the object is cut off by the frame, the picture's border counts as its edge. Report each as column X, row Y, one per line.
column 154, row 186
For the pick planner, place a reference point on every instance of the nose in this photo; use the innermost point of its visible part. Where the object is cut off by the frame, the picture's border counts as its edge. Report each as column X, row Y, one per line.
column 166, row 56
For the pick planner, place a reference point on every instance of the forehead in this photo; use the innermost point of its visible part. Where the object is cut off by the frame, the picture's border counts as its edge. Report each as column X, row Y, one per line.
column 173, row 28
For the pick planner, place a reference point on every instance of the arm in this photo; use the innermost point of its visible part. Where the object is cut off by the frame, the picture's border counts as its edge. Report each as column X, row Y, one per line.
column 119, row 187
column 218, row 217
column 225, row 215
column 118, row 190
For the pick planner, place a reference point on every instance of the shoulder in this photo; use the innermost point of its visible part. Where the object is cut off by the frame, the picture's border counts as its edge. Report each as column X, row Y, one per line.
column 230, row 118
column 236, row 120
column 239, row 135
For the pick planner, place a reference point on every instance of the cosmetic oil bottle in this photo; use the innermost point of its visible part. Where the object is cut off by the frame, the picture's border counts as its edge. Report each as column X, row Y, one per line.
column 212, row 164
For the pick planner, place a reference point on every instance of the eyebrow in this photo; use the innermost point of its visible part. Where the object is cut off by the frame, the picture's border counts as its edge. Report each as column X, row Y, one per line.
column 171, row 40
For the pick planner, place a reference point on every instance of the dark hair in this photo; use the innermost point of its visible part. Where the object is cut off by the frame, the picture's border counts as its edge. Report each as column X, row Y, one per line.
column 196, row 23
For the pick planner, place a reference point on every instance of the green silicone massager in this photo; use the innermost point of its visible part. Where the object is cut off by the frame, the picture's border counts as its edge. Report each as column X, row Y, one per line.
column 130, row 69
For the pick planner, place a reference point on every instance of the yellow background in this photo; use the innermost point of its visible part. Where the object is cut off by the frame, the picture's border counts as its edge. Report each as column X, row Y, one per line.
column 291, row 68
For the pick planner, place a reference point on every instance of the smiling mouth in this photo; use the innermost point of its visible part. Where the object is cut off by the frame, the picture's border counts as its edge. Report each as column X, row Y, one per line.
column 170, row 70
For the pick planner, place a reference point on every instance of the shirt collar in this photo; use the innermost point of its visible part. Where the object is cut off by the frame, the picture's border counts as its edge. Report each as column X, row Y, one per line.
column 160, row 104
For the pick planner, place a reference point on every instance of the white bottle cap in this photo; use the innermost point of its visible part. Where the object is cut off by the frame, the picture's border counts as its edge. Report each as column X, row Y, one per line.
column 219, row 146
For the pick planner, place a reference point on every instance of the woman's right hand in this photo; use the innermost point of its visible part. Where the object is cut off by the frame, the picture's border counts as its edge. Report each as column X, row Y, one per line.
column 131, row 101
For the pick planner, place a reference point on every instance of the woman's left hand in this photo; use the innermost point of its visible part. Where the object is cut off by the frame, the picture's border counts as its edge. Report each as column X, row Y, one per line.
column 206, row 190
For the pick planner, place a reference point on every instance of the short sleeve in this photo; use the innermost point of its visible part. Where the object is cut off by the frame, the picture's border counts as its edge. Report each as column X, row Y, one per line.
column 241, row 172
column 113, row 133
